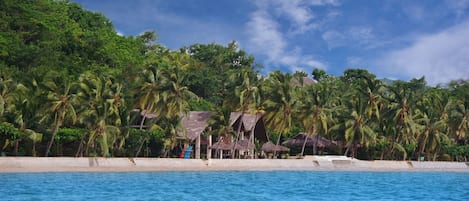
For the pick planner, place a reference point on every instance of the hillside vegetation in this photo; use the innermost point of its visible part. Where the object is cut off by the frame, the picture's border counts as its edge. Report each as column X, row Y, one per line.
column 71, row 86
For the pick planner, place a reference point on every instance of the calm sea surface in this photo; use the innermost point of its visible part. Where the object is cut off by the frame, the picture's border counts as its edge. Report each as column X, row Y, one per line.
column 233, row 185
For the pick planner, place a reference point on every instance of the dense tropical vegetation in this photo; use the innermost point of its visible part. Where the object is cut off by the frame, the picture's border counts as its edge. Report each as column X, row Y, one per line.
column 71, row 86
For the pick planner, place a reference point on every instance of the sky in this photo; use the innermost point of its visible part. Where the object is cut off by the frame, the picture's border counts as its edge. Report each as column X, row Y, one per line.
column 394, row 39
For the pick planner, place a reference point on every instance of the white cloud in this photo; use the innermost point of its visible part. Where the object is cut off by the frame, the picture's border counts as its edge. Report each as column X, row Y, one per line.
column 356, row 62
column 440, row 57
column 458, row 6
column 353, row 36
column 266, row 37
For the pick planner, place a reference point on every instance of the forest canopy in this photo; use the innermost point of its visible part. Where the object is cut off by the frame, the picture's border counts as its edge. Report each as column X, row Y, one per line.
column 69, row 84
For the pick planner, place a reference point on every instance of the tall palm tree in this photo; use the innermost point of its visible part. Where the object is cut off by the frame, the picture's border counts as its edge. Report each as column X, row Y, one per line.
column 247, row 92
column 400, row 113
column 358, row 128
column 432, row 120
column 60, row 105
column 7, row 87
column 149, row 96
column 101, row 115
column 458, row 111
column 24, row 106
column 280, row 102
column 315, row 111
column 175, row 95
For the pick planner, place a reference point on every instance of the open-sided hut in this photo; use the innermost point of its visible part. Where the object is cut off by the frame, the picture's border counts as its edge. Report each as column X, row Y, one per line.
column 252, row 129
column 299, row 139
column 271, row 147
column 194, row 124
column 142, row 118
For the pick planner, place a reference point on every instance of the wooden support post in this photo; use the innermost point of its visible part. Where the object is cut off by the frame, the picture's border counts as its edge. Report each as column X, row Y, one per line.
column 209, row 147
column 197, row 147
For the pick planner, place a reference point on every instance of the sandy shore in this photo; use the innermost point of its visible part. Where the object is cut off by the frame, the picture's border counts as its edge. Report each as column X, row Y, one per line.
column 312, row 163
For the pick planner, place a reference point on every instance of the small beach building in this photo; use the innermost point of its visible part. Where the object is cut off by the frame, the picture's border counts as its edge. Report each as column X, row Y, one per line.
column 194, row 124
column 299, row 139
column 252, row 130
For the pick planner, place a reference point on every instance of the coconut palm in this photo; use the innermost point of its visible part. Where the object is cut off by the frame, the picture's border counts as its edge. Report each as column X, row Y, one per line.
column 60, row 105
column 247, row 93
column 280, row 102
column 400, row 113
column 100, row 115
column 149, row 96
column 24, row 106
column 315, row 111
column 7, row 87
column 358, row 128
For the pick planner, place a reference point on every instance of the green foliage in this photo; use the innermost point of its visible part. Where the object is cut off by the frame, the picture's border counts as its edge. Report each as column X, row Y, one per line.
column 200, row 105
column 70, row 134
column 63, row 66
column 459, row 152
column 9, row 131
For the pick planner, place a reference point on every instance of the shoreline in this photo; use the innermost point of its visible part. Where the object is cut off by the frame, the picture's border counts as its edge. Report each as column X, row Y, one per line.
column 308, row 163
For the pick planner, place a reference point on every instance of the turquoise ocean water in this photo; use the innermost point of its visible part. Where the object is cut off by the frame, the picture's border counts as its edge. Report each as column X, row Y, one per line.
column 235, row 185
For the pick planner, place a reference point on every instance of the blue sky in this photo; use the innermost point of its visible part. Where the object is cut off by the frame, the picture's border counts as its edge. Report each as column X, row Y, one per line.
column 396, row 39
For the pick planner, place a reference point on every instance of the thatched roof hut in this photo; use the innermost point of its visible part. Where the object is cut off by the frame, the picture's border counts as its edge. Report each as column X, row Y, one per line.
column 271, row 147
column 137, row 115
column 241, row 145
column 250, row 122
column 299, row 139
column 194, row 123
column 305, row 81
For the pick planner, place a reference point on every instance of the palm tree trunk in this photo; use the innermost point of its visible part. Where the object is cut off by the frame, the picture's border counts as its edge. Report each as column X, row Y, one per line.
column 238, row 131
column 54, row 133
column 15, row 151
column 382, row 154
column 278, row 142
column 315, row 145
column 141, row 127
column 304, row 145
column 347, row 150
column 34, row 149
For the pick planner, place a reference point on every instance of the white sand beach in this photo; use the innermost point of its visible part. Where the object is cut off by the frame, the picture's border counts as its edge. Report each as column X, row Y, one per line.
column 312, row 163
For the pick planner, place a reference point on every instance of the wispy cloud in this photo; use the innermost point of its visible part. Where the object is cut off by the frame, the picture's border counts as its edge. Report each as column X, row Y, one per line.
column 266, row 37
column 459, row 7
column 352, row 36
column 440, row 57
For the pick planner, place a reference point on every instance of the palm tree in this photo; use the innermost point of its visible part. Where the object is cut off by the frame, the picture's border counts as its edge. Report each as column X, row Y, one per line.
column 458, row 111
column 400, row 113
column 149, row 96
column 314, row 110
column 101, row 114
column 7, row 87
column 280, row 102
column 23, row 106
column 175, row 95
column 246, row 92
column 60, row 105
column 358, row 128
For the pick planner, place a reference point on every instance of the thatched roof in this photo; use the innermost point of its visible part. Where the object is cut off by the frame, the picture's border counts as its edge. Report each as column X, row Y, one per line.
column 195, row 122
column 306, row 81
column 241, row 145
column 299, row 139
column 250, row 122
column 271, row 147
column 144, row 113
